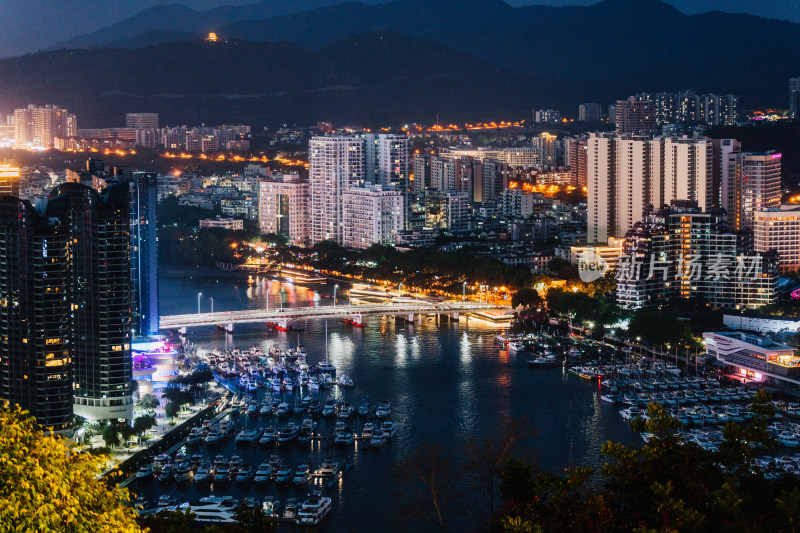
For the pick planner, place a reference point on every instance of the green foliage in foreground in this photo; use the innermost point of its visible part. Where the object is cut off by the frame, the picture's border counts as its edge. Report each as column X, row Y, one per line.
column 664, row 486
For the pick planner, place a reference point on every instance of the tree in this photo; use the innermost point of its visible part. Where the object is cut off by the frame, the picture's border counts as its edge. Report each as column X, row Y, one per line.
column 484, row 460
column 171, row 410
column 46, row 485
column 516, row 480
column 526, row 297
column 254, row 519
column 426, row 478
column 111, row 435
column 148, row 402
column 143, row 423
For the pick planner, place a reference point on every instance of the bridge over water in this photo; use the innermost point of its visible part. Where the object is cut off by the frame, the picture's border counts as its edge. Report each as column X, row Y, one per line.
column 282, row 318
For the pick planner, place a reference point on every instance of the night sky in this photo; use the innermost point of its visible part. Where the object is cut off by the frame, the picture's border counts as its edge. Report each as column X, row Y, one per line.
column 31, row 25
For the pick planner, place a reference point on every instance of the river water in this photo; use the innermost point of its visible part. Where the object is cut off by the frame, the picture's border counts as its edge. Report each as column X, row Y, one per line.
column 445, row 381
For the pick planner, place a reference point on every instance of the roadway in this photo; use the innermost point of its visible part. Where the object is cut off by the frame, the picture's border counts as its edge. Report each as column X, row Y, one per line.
column 353, row 312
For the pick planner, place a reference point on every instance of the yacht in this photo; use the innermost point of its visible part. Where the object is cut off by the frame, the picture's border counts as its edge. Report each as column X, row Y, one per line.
column 314, row 383
column 165, row 500
column 205, row 473
column 219, row 509
column 384, row 409
column 270, row 506
column 276, row 384
column 266, row 409
column 308, row 424
column 344, row 438
column 288, row 433
column 222, row 474
column 275, row 462
column 214, row 437
column 301, row 474
column 249, row 502
column 145, row 471
column 268, row 437
column 363, row 410
column 283, row 476
column 165, row 476
column 326, row 366
column 283, row 409
column 290, row 509
column 183, row 472
column 516, row 346
column 252, row 410
column 314, row 407
column 248, row 436
column 346, row 411
column 329, row 409
column 288, row 384
column 245, row 475
column 263, row 474
column 329, row 467
column 369, row 429
column 547, row 360
column 313, row 510
column 389, row 429
column 378, row 438
column 344, row 381
column 196, row 436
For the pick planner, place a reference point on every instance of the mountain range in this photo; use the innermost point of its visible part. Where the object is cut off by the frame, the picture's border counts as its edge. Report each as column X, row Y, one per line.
column 506, row 59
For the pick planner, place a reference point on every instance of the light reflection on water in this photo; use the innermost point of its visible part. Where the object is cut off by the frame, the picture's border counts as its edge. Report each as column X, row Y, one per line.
column 444, row 380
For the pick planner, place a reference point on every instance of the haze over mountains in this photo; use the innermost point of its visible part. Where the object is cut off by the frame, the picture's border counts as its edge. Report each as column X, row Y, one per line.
column 486, row 56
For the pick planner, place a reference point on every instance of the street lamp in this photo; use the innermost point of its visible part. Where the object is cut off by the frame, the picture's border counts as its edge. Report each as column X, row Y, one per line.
column 463, row 291
column 212, row 306
column 334, row 294
column 400, row 291
column 199, row 294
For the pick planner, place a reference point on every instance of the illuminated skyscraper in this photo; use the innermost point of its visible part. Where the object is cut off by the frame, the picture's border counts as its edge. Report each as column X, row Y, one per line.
column 38, row 126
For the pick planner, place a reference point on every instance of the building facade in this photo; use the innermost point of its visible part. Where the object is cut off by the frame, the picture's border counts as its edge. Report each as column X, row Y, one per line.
column 373, row 215
column 635, row 116
column 778, row 229
column 38, row 126
column 752, row 183
column 336, row 163
column 285, row 208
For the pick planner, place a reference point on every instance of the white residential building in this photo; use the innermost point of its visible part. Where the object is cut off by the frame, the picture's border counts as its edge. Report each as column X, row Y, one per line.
column 778, row 229
column 336, row 163
column 285, row 208
column 373, row 215
column 627, row 173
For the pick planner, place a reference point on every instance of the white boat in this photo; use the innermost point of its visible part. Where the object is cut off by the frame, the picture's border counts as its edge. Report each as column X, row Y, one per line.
column 245, row 475
column 266, row 410
column 516, row 346
column 325, row 366
column 213, row 509
column 290, row 509
column 183, row 472
column 165, row 500
column 196, row 435
column 369, row 429
column 276, row 385
column 287, row 433
column 301, row 474
column 314, row 383
column 145, row 471
column 283, row 409
column 263, row 474
column 283, row 476
column 344, row 438
column 268, row 437
column 313, row 510
column 363, row 409
column 329, row 409
column 222, row 474
column 378, row 438
column 384, row 409
column 205, row 473
column 329, row 467
column 248, row 436
column 270, row 506
column 214, row 437
column 346, row 411
column 288, row 384
column 389, row 429
column 344, row 381
column 785, row 438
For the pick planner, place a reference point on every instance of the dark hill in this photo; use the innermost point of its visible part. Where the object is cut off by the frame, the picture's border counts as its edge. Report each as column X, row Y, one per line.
column 373, row 79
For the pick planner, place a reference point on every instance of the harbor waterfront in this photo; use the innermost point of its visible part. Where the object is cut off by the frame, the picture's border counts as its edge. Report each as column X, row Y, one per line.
column 445, row 381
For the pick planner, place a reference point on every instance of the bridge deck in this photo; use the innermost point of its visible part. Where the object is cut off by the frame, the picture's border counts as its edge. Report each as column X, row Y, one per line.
column 299, row 313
